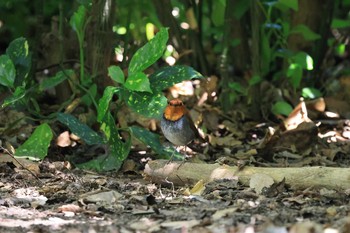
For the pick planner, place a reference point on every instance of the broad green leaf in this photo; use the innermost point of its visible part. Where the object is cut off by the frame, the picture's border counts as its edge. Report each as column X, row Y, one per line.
column 237, row 87
column 241, row 7
column 293, row 4
column 340, row 23
column 255, row 80
column 78, row 19
column 138, row 82
column 218, row 13
column 18, row 51
column 113, row 160
column 282, row 108
column 106, row 162
column 304, row 60
column 7, row 71
column 19, row 93
column 146, row 104
column 36, row 146
column 152, row 140
column 306, row 32
column 311, row 93
column 117, row 149
column 103, row 104
column 80, row 129
column 168, row 76
column 295, row 74
column 54, row 81
column 149, row 53
column 340, row 49
column 116, row 74
column 117, row 152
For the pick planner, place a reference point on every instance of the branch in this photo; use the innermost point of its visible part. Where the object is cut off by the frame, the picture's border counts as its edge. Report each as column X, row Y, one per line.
column 160, row 171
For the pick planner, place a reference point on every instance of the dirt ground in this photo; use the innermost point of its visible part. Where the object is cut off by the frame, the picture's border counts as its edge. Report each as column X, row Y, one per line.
column 63, row 200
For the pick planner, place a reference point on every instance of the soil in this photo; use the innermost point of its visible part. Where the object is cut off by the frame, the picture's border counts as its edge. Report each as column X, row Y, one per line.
column 64, row 200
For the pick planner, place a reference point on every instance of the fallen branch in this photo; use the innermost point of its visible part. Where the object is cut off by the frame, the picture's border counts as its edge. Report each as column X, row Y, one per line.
column 160, row 171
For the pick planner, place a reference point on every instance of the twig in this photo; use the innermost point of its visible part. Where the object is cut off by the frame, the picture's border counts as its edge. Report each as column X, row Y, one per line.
column 13, row 157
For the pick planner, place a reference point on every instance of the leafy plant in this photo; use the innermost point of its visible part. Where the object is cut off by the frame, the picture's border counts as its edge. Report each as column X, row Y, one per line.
column 141, row 93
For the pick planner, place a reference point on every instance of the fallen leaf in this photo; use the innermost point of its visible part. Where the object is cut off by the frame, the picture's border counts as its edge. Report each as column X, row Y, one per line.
column 260, row 181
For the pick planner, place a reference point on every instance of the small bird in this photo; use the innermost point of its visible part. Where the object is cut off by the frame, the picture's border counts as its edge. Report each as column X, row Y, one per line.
column 177, row 125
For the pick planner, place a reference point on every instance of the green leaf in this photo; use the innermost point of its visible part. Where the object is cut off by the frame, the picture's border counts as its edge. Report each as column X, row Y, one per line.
column 152, row 140
column 295, row 74
column 19, row 93
column 306, row 32
column 340, row 23
column 304, row 60
column 116, row 74
column 77, row 20
column 36, row 146
column 7, row 71
column 146, row 104
column 282, row 107
column 103, row 104
column 117, row 153
column 241, row 7
column 168, row 76
column 54, row 81
column 18, row 51
column 236, row 87
column 218, row 13
column 293, row 4
column 138, row 82
column 311, row 93
column 86, row 99
column 149, row 53
column 80, row 129
column 255, row 80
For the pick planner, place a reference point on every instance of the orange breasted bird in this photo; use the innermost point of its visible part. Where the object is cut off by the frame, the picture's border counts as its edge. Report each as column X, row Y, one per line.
column 177, row 125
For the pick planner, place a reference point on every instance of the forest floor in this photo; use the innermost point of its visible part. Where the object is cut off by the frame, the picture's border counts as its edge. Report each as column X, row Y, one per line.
column 72, row 201
column 50, row 196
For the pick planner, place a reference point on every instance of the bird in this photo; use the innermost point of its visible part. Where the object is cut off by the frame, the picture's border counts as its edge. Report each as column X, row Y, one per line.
column 177, row 125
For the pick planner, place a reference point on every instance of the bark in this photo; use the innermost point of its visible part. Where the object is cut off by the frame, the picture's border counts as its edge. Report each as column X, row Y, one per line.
column 99, row 38
column 160, row 171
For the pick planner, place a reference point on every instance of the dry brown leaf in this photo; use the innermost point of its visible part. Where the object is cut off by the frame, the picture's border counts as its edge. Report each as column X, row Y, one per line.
column 224, row 141
column 69, row 208
column 297, row 116
column 260, row 181
column 21, row 163
column 198, row 188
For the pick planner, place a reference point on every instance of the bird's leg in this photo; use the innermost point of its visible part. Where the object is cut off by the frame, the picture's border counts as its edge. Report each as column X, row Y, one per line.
column 172, row 156
column 184, row 158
